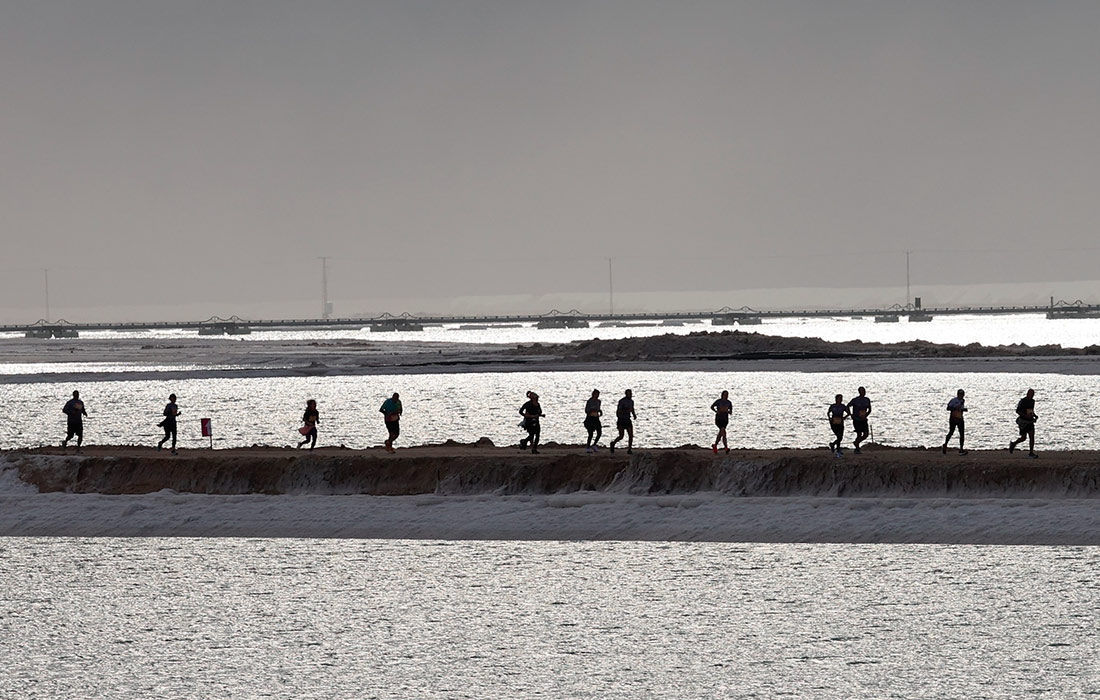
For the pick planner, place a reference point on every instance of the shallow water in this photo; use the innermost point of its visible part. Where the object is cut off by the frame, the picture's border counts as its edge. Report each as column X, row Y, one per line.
column 1029, row 329
column 200, row 618
column 772, row 409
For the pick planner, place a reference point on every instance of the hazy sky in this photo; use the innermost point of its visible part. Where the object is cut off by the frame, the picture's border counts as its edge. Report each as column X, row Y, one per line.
column 171, row 152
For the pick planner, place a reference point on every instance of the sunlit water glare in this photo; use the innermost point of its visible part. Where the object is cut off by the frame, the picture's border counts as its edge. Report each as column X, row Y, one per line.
column 202, row 618
column 1030, row 329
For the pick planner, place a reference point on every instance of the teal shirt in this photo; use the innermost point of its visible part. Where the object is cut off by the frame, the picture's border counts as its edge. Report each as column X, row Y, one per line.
column 391, row 406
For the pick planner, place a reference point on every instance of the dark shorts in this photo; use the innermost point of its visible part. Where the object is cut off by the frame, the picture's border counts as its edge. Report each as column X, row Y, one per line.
column 394, row 427
column 860, row 426
column 531, row 425
column 624, row 424
column 1026, row 427
column 721, row 420
column 592, row 423
column 169, row 428
column 838, row 429
column 956, row 423
column 76, row 429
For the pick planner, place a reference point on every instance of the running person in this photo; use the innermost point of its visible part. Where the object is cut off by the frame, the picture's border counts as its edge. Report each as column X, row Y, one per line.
column 391, row 411
column 1025, row 419
column 624, row 413
column 169, row 423
column 860, row 408
column 310, row 419
column 531, row 412
column 74, row 423
column 722, row 408
column 837, row 413
column 956, row 407
column 592, row 424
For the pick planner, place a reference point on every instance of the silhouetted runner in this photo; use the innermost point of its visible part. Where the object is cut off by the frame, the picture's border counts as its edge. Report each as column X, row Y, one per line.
column 624, row 421
column 592, row 424
column 74, row 424
column 860, row 408
column 169, row 423
column 837, row 413
column 956, row 409
column 391, row 411
column 722, row 408
column 531, row 412
column 310, row 419
column 1025, row 420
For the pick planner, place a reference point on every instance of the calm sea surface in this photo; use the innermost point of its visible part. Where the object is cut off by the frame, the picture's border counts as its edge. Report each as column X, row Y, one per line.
column 203, row 618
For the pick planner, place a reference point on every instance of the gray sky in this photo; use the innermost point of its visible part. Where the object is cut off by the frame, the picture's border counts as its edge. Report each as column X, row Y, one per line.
column 160, row 153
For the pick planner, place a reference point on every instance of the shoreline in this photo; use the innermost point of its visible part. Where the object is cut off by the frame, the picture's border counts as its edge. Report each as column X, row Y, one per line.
column 447, row 492
column 482, row 468
column 99, row 360
column 1068, row 365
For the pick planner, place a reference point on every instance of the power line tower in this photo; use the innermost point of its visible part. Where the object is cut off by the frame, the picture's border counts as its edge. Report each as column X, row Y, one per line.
column 326, row 307
column 46, row 275
column 610, row 288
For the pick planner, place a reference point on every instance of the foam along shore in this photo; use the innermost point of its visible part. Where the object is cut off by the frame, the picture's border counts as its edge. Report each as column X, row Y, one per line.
column 467, row 492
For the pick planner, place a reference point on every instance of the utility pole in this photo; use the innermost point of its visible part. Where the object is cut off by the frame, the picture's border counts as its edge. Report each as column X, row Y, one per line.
column 907, row 297
column 46, row 276
column 324, row 287
column 610, row 287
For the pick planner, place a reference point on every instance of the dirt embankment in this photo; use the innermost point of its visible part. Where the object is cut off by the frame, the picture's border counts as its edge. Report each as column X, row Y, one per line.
column 736, row 344
column 465, row 470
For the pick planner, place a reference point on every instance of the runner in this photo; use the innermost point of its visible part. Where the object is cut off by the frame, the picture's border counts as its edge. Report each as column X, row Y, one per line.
column 623, row 415
column 1025, row 420
column 837, row 413
column 391, row 411
column 74, row 424
column 860, row 408
column 531, row 412
column 722, row 408
column 310, row 419
column 592, row 424
column 956, row 407
column 169, row 423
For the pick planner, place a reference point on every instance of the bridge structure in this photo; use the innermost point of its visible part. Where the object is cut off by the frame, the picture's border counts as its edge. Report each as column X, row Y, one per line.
column 726, row 316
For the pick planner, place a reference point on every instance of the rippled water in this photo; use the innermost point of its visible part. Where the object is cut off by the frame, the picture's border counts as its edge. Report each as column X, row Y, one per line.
column 1030, row 329
column 202, row 618
column 773, row 409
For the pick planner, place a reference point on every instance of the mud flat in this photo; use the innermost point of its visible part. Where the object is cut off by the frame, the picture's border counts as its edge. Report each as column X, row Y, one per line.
column 481, row 492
